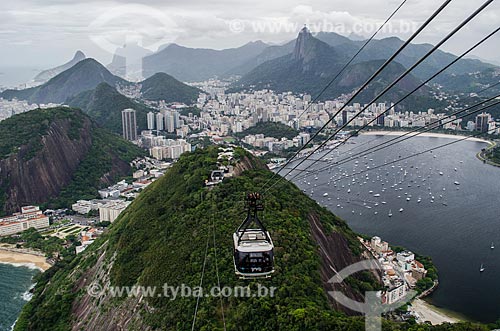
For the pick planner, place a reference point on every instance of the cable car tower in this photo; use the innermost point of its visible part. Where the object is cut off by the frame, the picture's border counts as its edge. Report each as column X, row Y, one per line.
column 253, row 247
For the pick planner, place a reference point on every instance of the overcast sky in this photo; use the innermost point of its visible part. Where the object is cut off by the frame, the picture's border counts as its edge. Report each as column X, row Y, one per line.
column 44, row 33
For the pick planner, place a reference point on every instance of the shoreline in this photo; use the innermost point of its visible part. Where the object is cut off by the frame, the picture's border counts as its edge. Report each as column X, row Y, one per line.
column 18, row 259
column 425, row 134
column 435, row 315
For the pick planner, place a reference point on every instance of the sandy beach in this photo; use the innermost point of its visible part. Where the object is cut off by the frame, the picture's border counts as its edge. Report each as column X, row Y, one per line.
column 428, row 312
column 426, row 134
column 22, row 259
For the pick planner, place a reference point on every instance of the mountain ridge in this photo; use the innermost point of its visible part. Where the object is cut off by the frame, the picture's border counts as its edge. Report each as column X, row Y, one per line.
column 46, row 75
column 83, row 76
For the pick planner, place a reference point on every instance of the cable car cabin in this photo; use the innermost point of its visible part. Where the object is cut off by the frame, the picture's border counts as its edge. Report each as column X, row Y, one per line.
column 253, row 255
column 253, row 248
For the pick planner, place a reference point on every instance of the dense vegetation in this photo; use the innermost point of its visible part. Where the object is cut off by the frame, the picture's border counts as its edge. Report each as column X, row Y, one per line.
column 104, row 105
column 31, row 238
column 493, row 154
column 161, row 86
column 27, row 129
column 161, row 238
column 270, row 129
column 191, row 110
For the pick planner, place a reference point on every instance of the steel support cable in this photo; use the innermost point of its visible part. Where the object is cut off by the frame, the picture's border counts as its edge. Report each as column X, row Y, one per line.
column 406, row 157
column 404, row 136
column 379, row 70
column 460, row 26
column 352, row 59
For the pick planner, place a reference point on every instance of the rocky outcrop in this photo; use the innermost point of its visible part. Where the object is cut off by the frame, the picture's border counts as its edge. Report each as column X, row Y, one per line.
column 41, row 177
column 86, row 310
column 247, row 163
column 335, row 255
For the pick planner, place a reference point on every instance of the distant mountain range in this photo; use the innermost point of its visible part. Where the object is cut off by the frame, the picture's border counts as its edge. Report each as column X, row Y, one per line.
column 192, row 64
column 313, row 63
column 197, row 64
column 303, row 65
column 83, row 76
column 45, row 75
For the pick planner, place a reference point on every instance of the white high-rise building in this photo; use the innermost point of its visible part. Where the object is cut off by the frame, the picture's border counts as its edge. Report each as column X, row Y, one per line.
column 129, row 124
column 160, row 121
column 169, row 122
column 151, row 121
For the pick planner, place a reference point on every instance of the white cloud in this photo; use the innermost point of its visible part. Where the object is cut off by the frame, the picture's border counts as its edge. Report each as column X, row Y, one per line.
column 59, row 27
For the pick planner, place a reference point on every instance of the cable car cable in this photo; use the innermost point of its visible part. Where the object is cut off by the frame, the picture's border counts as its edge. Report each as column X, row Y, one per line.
column 436, row 47
column 352, row 59
column 410, row 156
column 201, row 283
column 377, row 72
column 380, row 146
column 421, row 85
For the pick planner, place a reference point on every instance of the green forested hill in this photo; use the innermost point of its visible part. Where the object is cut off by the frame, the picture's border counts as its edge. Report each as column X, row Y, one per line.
column 104, row 104
column 57, row 156
column 162, row 86
column 161, row 239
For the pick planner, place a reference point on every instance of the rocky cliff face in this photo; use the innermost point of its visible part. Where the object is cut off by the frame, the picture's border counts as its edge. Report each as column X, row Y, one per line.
column 35, row 180
column 57, row 155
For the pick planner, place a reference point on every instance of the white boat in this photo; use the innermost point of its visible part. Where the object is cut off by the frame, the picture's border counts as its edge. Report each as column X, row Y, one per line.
column 481, row 269
column 457, row 183
column 376, row 195
column 390, row 213
column 401, row 210
column 408, row 199
column 325, row 194
column 492, row 246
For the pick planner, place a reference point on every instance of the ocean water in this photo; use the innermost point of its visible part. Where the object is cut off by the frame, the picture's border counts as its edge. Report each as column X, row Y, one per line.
column 15, row 282
column 14, row 76
column 456, row 229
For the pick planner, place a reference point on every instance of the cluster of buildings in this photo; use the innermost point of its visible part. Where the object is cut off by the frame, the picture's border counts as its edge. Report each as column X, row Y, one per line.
column 87, row 237
column 116, row 198
column 29, row 217
column 223, row 113
column 167, row 120
column 10, row 108
column 401, row 271
column 162, row 148
column 484, row 123
column 274, row 144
